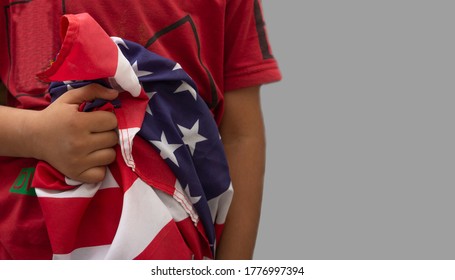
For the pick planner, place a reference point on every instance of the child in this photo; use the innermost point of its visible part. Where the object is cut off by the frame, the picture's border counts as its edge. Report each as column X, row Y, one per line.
column 221, row 44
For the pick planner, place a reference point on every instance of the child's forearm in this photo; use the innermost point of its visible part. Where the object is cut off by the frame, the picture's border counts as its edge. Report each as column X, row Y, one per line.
column 78, row 144
column 243, row 136
column 13, row 133
column 16, row 132
column 246, row 160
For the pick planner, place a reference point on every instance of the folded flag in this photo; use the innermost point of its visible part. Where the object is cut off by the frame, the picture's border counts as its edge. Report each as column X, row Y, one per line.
column 168, row 192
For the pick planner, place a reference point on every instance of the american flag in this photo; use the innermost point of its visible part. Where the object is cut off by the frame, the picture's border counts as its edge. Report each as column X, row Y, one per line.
column 168, row 193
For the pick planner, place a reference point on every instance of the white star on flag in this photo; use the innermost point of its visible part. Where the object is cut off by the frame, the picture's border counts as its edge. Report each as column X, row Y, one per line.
column 167, row 150
column 194, row 199
column 186, row 87
column 138, row 72
column 180, row 190
column 177, row 67
column 191, row 136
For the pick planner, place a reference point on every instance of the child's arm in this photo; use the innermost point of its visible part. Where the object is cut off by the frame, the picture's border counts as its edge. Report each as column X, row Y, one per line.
column 78, row 144
column 243, row 135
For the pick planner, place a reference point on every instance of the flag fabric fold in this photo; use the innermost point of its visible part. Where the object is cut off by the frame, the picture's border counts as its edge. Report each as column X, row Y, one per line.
column 167, row 194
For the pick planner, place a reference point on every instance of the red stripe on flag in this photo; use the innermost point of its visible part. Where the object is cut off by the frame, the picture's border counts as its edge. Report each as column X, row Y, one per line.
column 151, row 167
column 195, row 238
column 167, row 245
column 82, row 222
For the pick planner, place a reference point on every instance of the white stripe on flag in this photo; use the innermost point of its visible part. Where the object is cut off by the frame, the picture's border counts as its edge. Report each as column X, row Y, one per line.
column 181, row 196
column 86, row 253
column 84, row 190
column 219, row 206
column 175, row 208
column 143, row 217
column 126, row 136
column 125, row 76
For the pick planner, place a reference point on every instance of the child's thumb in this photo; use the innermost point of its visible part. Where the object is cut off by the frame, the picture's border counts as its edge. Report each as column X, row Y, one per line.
column 88, row 93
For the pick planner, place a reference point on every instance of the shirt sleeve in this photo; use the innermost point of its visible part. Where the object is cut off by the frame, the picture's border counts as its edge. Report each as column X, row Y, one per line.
column 248, row 57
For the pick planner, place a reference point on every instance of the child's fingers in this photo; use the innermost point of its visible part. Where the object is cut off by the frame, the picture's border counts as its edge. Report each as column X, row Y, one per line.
column 93, row 175
column 88, row 93
column 103, row 140
column 99, row 121
column 98, row 160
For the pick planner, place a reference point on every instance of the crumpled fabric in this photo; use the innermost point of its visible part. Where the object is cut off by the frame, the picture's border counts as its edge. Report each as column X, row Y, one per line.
column 168, row 192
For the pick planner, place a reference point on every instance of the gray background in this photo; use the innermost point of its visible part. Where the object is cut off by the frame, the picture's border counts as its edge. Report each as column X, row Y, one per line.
column 360, row 131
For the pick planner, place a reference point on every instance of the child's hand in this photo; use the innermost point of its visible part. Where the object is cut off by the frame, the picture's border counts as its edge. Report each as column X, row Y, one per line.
column 78, row 144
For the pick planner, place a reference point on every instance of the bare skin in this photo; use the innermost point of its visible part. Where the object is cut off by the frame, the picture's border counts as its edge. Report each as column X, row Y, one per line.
column 78, row 144
column 243, row 134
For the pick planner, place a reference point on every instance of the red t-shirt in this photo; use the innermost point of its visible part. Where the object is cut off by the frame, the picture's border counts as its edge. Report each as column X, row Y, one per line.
column 222, row 45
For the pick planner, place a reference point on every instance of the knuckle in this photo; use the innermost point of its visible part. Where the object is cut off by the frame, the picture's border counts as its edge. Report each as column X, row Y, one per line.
column 76, row 145
column 98, row 174
column 74, row 123
column 71, row 172
column 93, row 175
